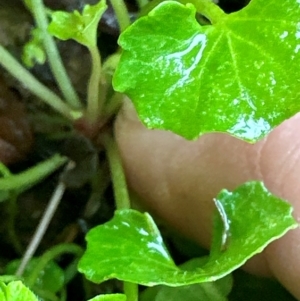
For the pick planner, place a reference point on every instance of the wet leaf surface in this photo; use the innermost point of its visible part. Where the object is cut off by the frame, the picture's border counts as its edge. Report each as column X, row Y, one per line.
column 238, row 76
column 130, row 247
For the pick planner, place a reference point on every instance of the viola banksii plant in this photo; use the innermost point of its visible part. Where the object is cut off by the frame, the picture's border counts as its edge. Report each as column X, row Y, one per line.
column 183, row 77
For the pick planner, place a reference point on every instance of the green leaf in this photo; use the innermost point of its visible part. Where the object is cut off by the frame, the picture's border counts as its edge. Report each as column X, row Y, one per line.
column 109, row 297
column 130, row 247
column 16, row 291
column 33, row 51
column 79, row 27
column 50, row 279
column 239, row 75
column 208, row 291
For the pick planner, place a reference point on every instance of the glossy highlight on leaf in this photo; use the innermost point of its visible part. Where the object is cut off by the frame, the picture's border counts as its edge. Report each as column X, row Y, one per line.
column 79, row 27
column 130, row 247
column 239, row 75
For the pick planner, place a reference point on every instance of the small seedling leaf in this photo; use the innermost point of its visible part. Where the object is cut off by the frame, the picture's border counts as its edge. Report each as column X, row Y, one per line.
column 16, row 291
column 33, row 51
column 239, row 75
column 130, row 247
column 81, row 27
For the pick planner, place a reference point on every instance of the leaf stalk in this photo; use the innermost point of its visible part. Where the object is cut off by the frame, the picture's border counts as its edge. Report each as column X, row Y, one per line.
column 50, row 255
column 121, row 13
column 32, row 176
column 131, row 291
column 54, row 58
column 94, row 107
column 117, row 172
column 34, row 85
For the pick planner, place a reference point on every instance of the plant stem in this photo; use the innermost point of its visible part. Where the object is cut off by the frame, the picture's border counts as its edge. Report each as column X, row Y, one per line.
column 113, row 105
column 93, row 106
column 121, row 13
column 142, row 3
column 32, row 84
column 117, row 172
column 121, row 196
column 4, row 171
column 55, row 61
column 33, row 175
column 50, row 255
column 208, row 9
column 131, row 291
column 42, row 227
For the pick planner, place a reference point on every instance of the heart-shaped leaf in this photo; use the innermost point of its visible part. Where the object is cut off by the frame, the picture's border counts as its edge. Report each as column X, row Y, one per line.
column 130, row 247
column 239, row 75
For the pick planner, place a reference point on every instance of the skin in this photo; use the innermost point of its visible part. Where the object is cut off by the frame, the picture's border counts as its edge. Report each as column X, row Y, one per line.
column 177, row 179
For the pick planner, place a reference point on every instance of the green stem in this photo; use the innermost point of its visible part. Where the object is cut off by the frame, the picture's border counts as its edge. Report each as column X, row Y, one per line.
column 208, row 9
column 121, row 196
column 121, row 13
column 131, row 291
column 117, row 173
column 93, row 106
column 4, row 171
column 55, row 61
column 113, row 105
column 33, row 175
column 142, row 3
column 71, row 270
column 35, row 86
column 50, row 255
